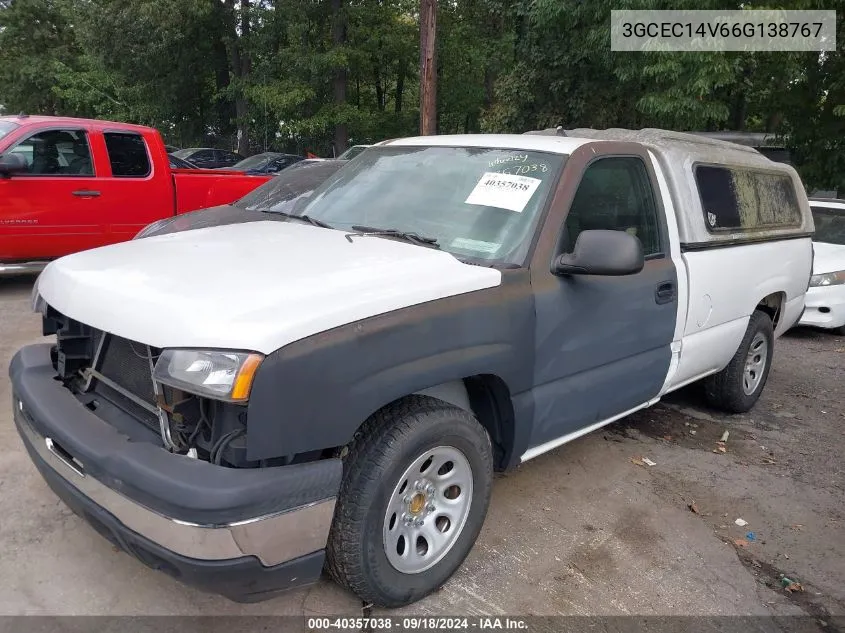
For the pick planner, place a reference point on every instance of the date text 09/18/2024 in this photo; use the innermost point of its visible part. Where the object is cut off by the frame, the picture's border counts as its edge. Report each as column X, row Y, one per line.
column 418, row 623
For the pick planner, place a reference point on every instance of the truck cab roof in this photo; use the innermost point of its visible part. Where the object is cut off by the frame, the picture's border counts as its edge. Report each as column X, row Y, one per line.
column 26, row 120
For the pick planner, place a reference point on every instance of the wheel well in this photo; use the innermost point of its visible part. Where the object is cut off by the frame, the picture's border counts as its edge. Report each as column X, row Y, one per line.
column 491, row 403
column 488, row 398
column 772, row 305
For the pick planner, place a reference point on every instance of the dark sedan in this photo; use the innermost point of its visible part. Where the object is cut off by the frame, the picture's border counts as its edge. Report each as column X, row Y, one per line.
column 271, row 201
column 208, row 158
column 266, row 163
column 178, row 163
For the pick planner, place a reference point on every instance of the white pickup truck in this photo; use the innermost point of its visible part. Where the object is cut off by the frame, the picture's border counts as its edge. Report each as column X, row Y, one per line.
column 240, row 406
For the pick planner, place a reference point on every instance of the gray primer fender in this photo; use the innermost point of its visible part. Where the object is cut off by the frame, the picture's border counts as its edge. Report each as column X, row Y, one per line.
column 454, row 392
column 314, row 393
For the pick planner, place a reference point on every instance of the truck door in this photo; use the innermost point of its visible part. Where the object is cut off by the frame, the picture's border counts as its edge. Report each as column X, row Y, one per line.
column 52, row 208
column 602, row 344
column 137, row 189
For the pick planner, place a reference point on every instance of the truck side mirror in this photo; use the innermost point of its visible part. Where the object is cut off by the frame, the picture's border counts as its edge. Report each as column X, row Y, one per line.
column 12, row 164
column 601, row 252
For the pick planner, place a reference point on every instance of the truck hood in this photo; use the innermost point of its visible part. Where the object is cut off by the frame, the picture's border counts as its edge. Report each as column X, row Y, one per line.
column 212, row 216
column 255, row 286
column 829, row 258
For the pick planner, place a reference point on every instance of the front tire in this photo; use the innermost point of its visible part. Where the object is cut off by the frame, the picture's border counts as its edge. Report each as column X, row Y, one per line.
column 738, row 386
column 415, row 492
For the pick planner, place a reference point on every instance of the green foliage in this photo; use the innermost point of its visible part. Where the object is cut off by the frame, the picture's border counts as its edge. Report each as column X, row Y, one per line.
column 203, row 70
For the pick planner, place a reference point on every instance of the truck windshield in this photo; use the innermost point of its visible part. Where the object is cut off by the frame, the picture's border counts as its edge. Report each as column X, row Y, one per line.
column 6, row 127
column 830, row 225
column 481, row 203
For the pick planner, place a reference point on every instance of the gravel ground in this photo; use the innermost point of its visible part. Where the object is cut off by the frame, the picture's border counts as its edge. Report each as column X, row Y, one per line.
column 588, row 529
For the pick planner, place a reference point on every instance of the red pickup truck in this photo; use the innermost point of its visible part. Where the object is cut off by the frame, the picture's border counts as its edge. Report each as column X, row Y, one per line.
column 68, row 185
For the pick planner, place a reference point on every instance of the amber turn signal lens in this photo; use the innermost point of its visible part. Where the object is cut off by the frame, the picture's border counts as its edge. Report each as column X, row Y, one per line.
column 243, row 382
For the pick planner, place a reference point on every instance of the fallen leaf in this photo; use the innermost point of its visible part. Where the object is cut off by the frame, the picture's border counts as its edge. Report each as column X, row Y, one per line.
column 637, row 461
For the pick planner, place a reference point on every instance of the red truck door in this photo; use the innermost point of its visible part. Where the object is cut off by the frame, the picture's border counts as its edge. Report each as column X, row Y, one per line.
column 138, row 188
column 53, row 209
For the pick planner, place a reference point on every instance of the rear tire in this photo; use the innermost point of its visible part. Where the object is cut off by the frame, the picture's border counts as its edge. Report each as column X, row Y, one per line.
column 415, row 492
column 738, row 386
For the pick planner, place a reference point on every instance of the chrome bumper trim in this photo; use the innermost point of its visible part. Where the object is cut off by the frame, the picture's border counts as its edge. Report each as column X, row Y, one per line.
column 21, row 268
column 273, row 539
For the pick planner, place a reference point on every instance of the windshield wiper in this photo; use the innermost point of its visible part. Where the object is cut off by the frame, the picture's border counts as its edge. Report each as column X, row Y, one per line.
column 408, row 236
column 304, row 218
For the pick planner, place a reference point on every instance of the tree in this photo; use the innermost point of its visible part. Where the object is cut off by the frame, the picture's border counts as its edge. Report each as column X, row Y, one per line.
column 237, row 26
column 314, row 75
column 38, row 52
column 341, row 132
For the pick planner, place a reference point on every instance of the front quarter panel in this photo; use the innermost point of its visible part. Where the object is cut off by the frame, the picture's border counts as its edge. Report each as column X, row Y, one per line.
column 314, row 394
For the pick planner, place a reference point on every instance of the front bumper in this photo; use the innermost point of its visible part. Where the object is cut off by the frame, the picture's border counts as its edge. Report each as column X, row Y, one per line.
column 824, row 307
column 244, row 533
column 11, row 269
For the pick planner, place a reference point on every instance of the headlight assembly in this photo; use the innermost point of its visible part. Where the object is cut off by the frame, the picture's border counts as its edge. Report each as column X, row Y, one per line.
column 218, row 374
column 828, row 279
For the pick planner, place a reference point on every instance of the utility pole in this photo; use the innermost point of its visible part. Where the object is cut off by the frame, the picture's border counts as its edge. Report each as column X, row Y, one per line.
column 428, row 69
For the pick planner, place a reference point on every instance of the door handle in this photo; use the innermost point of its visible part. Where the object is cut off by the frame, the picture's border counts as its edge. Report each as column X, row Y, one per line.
column 665, row 292
column 86, row 193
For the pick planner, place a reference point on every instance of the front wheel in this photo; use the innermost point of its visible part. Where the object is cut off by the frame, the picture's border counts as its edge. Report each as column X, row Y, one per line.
column 738, row 386
column 415, row 493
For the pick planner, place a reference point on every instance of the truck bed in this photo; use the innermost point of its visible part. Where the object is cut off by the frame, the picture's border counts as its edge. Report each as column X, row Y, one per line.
column 201, row 188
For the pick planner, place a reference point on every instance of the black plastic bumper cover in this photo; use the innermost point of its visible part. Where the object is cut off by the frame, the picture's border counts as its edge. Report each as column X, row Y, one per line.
column 178, row 487
column 242, row 580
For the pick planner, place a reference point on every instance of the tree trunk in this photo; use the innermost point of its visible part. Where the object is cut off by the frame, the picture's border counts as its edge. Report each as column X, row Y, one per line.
column 224, row 107
column 380, row 96
column 400, row 89
column 241, row 65
column 428, row 69
column 341, row 133
column 739, row 111
column 489, row 87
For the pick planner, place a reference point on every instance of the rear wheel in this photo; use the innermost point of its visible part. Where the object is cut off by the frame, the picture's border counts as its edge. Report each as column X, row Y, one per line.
column 415, row 492
column 738, row 386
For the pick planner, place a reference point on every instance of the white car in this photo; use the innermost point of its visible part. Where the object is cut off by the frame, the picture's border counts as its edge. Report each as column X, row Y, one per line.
column 825, row 305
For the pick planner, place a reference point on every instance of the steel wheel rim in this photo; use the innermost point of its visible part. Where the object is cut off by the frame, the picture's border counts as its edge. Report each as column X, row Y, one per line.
column 755, row 363
column 427, row 510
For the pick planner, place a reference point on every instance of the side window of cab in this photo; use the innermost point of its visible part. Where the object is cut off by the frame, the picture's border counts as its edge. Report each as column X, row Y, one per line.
column 56, row 153
column 615, row 193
